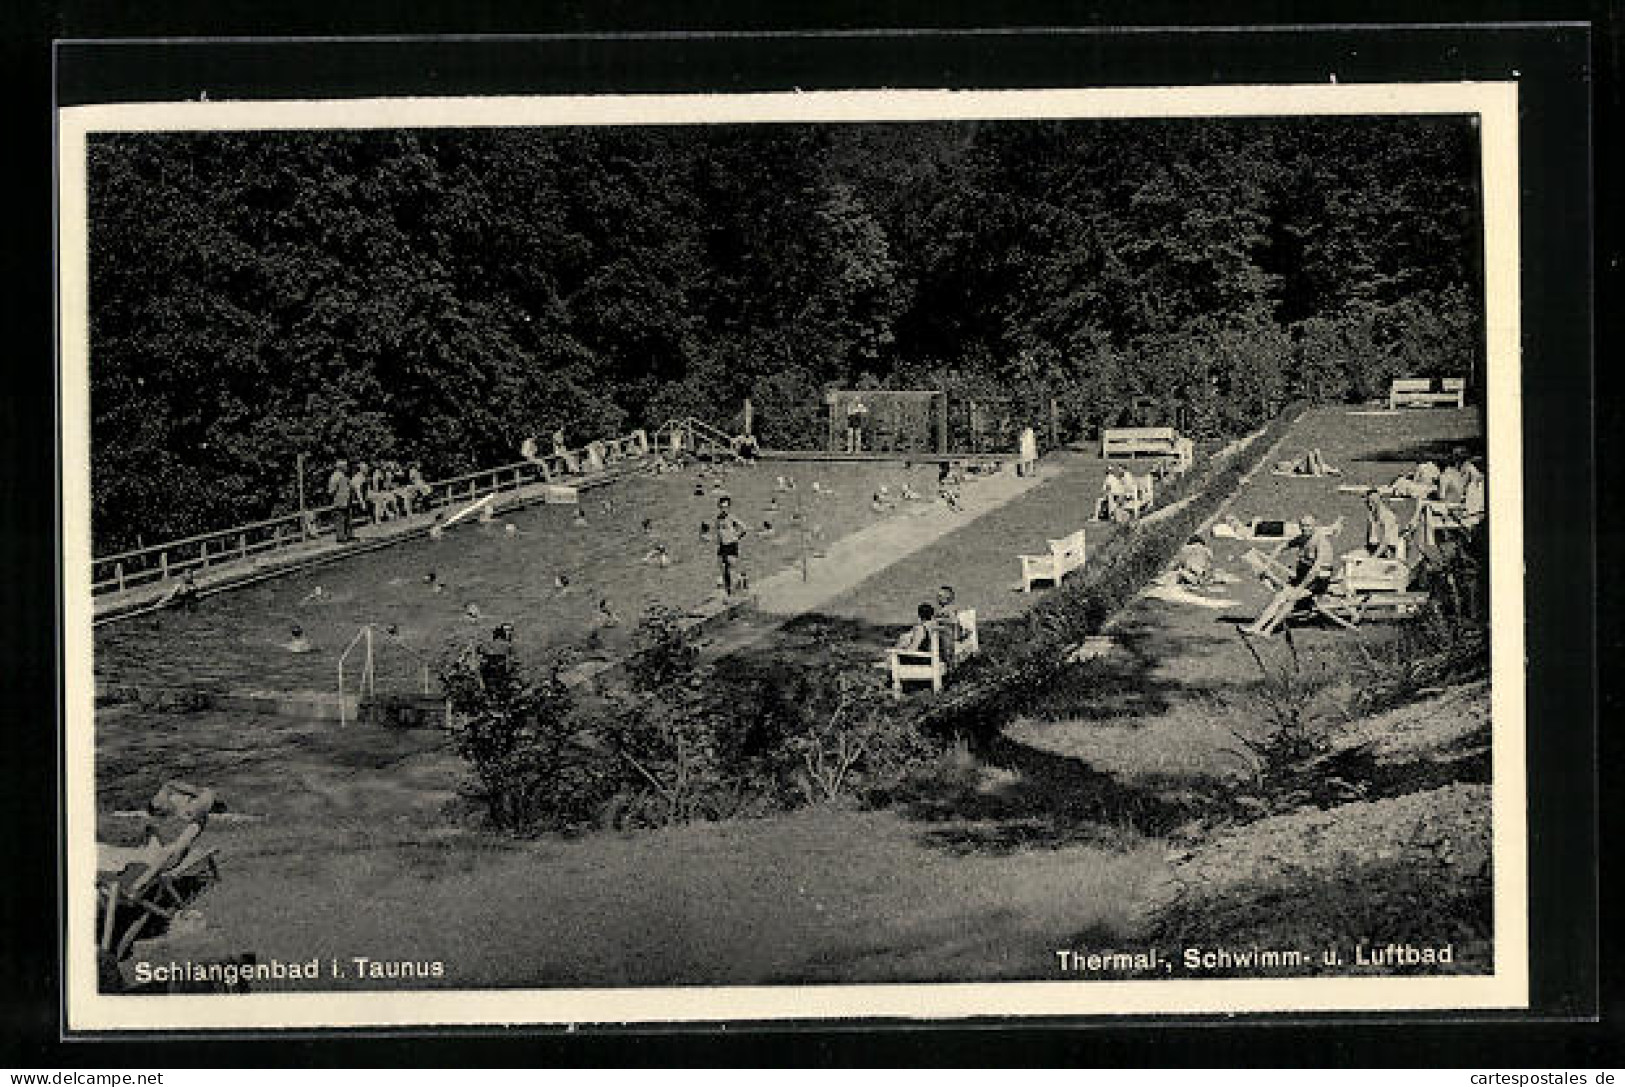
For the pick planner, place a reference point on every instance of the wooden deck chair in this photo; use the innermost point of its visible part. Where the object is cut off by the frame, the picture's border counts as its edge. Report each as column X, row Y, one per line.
column 150, row 888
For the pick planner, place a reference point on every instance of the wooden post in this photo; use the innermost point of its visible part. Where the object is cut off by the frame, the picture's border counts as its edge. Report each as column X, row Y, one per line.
column 242, row 545
column 1054, row 423
column 163, row 563
column 942, row 422
column 118, row 572
column 975, row 427
column 801, row 518
column 299, row 470
column 750, row 416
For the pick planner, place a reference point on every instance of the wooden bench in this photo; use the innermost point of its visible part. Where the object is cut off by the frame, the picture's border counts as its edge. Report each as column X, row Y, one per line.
column 929, row 665
column 1435, row 518
column 1065, row 555
column 917, row 666
column 1424, row 392
column 1143, row 441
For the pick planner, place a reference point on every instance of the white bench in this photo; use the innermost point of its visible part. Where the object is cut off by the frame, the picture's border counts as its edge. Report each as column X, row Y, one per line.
column 1065, row 555
column 1424, row 392
column 929, row 665
column 1149, row 441
column 917, row 665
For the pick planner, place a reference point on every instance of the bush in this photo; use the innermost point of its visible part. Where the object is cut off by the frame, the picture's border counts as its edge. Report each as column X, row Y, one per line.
column 522, row 737
column 1293, row 704
column 855, row 745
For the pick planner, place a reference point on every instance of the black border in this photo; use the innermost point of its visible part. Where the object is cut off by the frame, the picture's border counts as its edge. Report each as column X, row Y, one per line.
column 1555, row 74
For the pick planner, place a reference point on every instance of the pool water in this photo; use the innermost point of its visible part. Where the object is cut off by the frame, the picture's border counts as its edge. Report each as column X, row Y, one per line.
column 236, row 639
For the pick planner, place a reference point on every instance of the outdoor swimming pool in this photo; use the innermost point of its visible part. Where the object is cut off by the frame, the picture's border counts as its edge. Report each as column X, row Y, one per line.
column 235, row 639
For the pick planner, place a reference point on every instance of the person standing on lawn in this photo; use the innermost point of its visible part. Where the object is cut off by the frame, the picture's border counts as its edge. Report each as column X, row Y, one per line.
column 730, row 531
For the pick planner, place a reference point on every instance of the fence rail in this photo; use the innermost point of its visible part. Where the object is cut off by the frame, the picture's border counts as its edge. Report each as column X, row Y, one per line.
column 163, row 562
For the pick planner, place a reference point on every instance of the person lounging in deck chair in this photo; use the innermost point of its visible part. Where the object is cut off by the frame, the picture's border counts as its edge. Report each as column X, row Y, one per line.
column 917, row 638
column 138, row 884
column 1311, row 577
column 1420, row 483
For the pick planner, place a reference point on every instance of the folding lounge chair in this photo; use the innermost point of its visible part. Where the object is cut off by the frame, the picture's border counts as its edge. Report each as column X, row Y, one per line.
column 156, row 887
column 156, row 881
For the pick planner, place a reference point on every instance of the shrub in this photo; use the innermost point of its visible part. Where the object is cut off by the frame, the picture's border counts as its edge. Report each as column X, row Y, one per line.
column 857, row 746
column 1293, row 702
column 683, row 733
column 521, row 736
column 1447, row 642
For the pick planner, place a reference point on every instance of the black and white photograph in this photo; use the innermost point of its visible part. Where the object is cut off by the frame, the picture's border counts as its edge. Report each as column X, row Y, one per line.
column 787, row 556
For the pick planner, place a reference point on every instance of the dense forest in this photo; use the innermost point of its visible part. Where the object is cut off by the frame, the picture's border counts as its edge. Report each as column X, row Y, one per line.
column 440, row 295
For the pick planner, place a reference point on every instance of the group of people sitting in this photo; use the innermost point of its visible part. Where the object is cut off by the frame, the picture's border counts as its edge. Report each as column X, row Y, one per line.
column 939, row 621
column 1124, row 496
column 386, row 490
column 1459, row 482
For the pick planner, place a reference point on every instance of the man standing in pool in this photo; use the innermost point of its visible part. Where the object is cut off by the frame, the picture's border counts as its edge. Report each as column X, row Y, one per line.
column 730, row 531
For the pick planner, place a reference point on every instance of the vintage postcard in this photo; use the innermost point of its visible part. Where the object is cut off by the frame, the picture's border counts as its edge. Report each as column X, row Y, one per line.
column 807, row 556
